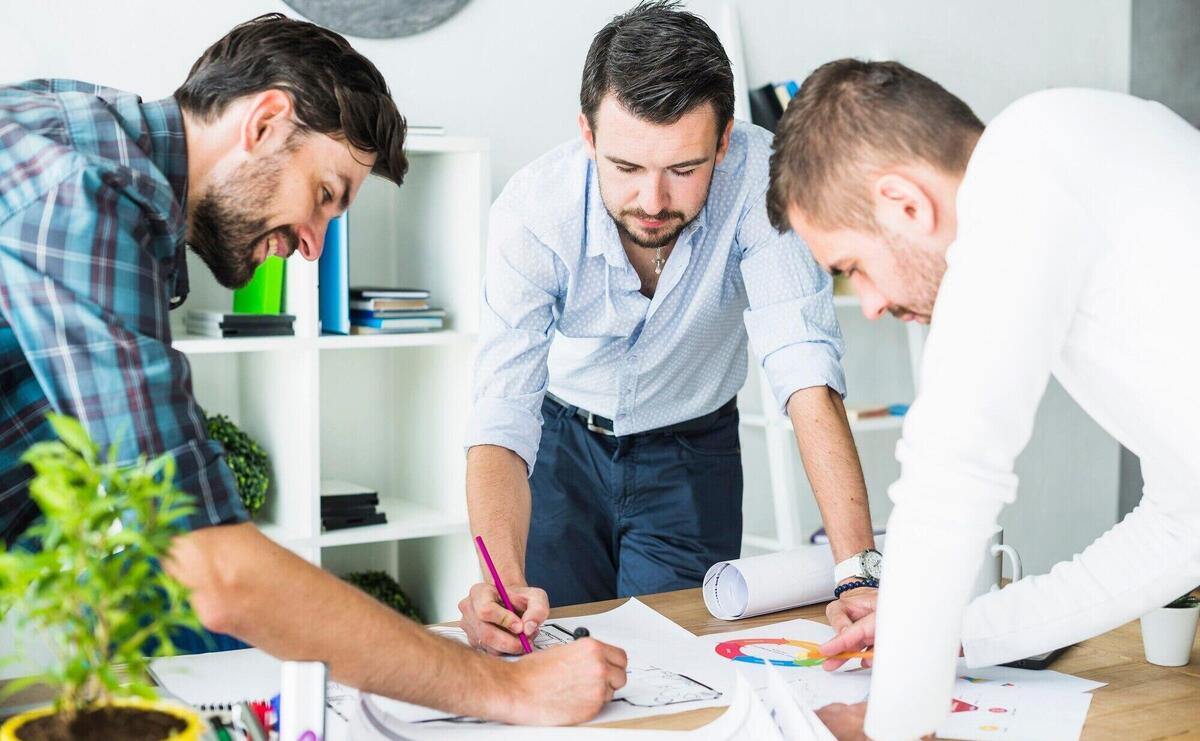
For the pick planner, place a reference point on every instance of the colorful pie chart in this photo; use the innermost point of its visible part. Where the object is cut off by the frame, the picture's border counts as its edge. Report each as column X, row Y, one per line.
column 778, row 652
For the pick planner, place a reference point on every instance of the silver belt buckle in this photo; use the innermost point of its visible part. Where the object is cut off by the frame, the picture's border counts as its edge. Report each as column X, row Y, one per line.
column 591, row 425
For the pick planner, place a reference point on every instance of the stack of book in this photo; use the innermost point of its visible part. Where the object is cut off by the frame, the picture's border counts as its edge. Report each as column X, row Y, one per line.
column 219, row 324
column 345, row 504
column 393, row 310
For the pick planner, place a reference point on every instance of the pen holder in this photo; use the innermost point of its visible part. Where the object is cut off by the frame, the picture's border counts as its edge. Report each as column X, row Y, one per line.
column 302, row 701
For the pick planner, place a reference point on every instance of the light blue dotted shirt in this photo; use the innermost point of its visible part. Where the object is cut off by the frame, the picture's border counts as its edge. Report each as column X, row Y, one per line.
column 562, row 307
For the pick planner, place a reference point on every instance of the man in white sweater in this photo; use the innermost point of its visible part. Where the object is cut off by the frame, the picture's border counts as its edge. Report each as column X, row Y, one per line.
column 1064, row 240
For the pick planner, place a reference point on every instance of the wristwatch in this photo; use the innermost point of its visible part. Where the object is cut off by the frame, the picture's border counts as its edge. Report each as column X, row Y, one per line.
column 867, row 565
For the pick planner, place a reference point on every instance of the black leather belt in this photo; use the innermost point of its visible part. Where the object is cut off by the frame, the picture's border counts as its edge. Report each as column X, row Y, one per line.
column 603, row 426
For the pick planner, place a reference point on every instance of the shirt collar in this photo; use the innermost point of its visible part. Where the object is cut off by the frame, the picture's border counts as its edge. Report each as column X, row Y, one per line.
column 601, row 237
column 168, row 152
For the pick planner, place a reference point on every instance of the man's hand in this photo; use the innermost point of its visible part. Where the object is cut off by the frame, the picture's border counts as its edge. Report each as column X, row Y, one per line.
column 853, row 617
column 490, row 626
column 845, row 722
column 581, row 677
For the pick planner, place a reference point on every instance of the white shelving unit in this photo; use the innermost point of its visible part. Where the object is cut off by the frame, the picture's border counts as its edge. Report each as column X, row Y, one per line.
column 386, row 411
column 882, row 362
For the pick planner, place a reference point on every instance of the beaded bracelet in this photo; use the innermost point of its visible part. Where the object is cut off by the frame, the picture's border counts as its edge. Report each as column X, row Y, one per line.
column 868, row 582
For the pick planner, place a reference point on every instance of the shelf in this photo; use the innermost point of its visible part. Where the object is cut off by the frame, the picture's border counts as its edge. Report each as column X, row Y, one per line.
column 277, row 533
column 858, row 425
column 407, row 339
column 406, row 520
column 199, row 345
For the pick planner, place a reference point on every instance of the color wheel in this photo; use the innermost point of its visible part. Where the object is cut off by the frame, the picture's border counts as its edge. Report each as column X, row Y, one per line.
column 790, row 652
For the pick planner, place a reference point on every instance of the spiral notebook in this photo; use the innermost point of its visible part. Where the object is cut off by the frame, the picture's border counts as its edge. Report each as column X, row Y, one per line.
column 212, row 680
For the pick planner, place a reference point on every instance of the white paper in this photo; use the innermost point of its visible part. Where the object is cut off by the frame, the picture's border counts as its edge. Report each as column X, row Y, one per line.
column 1037, row 679
column 218, row 678
column 790, row 646
column 227, row 677
column 793, row 710
column 992, row 711
column 746, row 718
column 746, row 587
column 667, row 673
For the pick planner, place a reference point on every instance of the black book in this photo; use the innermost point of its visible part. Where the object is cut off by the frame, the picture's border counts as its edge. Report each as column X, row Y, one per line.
column 341, row 523
column 366, row 509
column 362, row 293
column 765, row 110
column 335, row 502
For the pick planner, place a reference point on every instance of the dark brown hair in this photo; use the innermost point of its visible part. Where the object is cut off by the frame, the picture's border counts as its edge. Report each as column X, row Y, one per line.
column 335, row 90
column 660, row 62
column 851, row 117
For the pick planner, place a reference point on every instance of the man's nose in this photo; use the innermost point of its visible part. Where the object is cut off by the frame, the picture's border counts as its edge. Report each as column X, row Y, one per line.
column 312, row 240
column 654, row 199
column 874, row 304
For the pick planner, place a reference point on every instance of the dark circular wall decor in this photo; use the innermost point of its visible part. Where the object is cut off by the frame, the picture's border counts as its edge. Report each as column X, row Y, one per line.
column 378, row 19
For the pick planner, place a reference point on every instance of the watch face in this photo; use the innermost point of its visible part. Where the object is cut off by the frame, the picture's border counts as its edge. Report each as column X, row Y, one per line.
column 872, row 563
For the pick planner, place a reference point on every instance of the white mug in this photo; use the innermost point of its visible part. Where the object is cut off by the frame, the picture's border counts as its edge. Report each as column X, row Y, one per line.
column 993, row 565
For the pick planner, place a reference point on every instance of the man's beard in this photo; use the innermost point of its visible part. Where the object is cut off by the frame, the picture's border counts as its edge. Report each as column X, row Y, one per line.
column 921, row 270
column 227, row 222
column 664, row 235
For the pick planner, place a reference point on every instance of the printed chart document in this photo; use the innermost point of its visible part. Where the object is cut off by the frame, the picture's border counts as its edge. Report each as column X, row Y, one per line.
column 1000, row 703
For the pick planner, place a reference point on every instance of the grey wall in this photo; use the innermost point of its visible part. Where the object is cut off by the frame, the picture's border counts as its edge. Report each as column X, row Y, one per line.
column 1164, row 65
column 509, row 69
column 1165, row 54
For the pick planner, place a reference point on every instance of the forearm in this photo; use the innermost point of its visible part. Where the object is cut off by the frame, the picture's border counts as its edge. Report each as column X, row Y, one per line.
column 499, row 501
column 1145, row 561
column 834, row 472
column 246, row 585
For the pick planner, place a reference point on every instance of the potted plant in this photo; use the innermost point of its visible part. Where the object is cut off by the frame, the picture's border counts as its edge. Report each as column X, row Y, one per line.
column 246, row 459
column 93, row 586
column 1169, row 632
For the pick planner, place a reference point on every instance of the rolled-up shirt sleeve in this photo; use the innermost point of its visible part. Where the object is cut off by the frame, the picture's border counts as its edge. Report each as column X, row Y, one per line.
column 521, row 285
column 791, row 322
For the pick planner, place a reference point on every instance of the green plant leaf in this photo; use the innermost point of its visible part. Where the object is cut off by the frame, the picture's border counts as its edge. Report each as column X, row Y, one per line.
column 73, row 434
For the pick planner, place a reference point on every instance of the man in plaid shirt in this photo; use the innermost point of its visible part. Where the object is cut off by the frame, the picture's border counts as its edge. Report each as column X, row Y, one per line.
column 276, row 127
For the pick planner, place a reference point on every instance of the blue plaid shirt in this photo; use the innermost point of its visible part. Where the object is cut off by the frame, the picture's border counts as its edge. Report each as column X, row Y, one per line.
column 92, row 227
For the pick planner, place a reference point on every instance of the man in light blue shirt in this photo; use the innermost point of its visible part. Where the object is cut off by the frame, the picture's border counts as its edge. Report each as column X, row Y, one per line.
column 624, row 273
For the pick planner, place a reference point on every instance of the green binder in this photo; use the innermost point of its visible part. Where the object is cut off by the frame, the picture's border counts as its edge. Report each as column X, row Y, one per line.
column 264, row 293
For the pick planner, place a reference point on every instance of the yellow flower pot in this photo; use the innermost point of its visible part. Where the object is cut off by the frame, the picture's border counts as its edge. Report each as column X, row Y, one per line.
column 192, row 732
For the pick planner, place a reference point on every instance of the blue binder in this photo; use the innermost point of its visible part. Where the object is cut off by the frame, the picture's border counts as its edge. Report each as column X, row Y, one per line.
column 333, row 279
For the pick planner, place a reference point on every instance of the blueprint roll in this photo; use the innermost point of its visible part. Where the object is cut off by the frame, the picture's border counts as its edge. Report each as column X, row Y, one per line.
column 777, row 581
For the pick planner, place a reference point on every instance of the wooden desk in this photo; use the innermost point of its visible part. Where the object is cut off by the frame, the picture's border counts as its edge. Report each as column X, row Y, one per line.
column 1140, row 701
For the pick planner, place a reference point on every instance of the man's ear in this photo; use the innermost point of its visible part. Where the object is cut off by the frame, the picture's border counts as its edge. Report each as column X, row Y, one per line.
column 903, row 206
column 723, row 142
column 267, row 120
column 589, row 137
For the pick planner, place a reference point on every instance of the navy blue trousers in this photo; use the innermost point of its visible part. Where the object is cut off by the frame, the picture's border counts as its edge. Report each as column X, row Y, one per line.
column 624, row 516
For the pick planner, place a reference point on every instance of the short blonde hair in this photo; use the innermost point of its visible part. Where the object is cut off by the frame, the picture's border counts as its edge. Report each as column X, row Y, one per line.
column 851, row 117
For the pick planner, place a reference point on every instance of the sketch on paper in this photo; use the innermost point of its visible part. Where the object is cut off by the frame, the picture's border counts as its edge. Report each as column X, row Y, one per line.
column 651, row 687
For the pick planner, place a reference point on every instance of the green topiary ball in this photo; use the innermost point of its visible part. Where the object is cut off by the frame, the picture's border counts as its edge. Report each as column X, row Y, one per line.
column 381, row 586
column 249, row 462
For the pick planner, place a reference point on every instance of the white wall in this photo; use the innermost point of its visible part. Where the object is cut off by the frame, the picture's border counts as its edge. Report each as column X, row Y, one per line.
column 509, row 69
